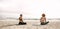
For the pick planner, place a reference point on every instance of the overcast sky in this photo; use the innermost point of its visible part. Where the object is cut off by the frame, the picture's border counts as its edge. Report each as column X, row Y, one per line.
column 30, row 8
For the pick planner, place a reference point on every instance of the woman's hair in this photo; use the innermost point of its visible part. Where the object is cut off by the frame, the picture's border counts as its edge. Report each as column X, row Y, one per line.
column 20, row 14
column 43, row 15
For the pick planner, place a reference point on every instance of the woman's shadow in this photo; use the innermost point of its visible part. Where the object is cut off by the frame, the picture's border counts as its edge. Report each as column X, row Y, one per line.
column 9, row 25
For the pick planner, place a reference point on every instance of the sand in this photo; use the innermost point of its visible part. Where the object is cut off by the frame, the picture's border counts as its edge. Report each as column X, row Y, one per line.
column 31, row 24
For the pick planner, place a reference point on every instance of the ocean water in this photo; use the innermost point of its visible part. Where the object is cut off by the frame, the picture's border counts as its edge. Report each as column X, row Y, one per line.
column 30, row 19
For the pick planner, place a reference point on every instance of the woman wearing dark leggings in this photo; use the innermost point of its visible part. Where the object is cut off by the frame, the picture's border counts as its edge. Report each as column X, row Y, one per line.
column 21, row 20
column 43, row 20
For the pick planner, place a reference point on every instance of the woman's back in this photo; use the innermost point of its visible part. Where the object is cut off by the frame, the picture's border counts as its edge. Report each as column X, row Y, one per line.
column 43, row 19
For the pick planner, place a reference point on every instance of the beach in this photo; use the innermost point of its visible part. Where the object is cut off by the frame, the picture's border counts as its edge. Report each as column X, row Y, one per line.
column 31, row 24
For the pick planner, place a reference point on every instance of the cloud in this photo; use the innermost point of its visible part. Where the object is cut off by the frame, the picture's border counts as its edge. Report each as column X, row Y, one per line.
column 31, row 8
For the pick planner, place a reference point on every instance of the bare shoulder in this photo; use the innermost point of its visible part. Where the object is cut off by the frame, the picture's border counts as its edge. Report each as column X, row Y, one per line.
column 41, row 18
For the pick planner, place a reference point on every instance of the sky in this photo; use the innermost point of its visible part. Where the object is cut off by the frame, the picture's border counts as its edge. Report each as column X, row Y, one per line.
column 30, row 8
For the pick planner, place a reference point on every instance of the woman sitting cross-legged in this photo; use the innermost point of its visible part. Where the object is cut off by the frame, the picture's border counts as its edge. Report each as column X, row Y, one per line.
column 21, row 21
column 43, row 20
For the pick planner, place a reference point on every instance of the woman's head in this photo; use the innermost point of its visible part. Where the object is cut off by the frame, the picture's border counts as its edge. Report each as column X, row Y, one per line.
column 43, row 15
column 20, row 14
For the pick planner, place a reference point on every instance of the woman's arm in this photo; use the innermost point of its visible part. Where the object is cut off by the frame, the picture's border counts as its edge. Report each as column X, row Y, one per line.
column 45, row 19
column 41, row 19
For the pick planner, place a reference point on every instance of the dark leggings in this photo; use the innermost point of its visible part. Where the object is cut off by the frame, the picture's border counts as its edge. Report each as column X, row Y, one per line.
column 22, row 23
column 44, row 23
